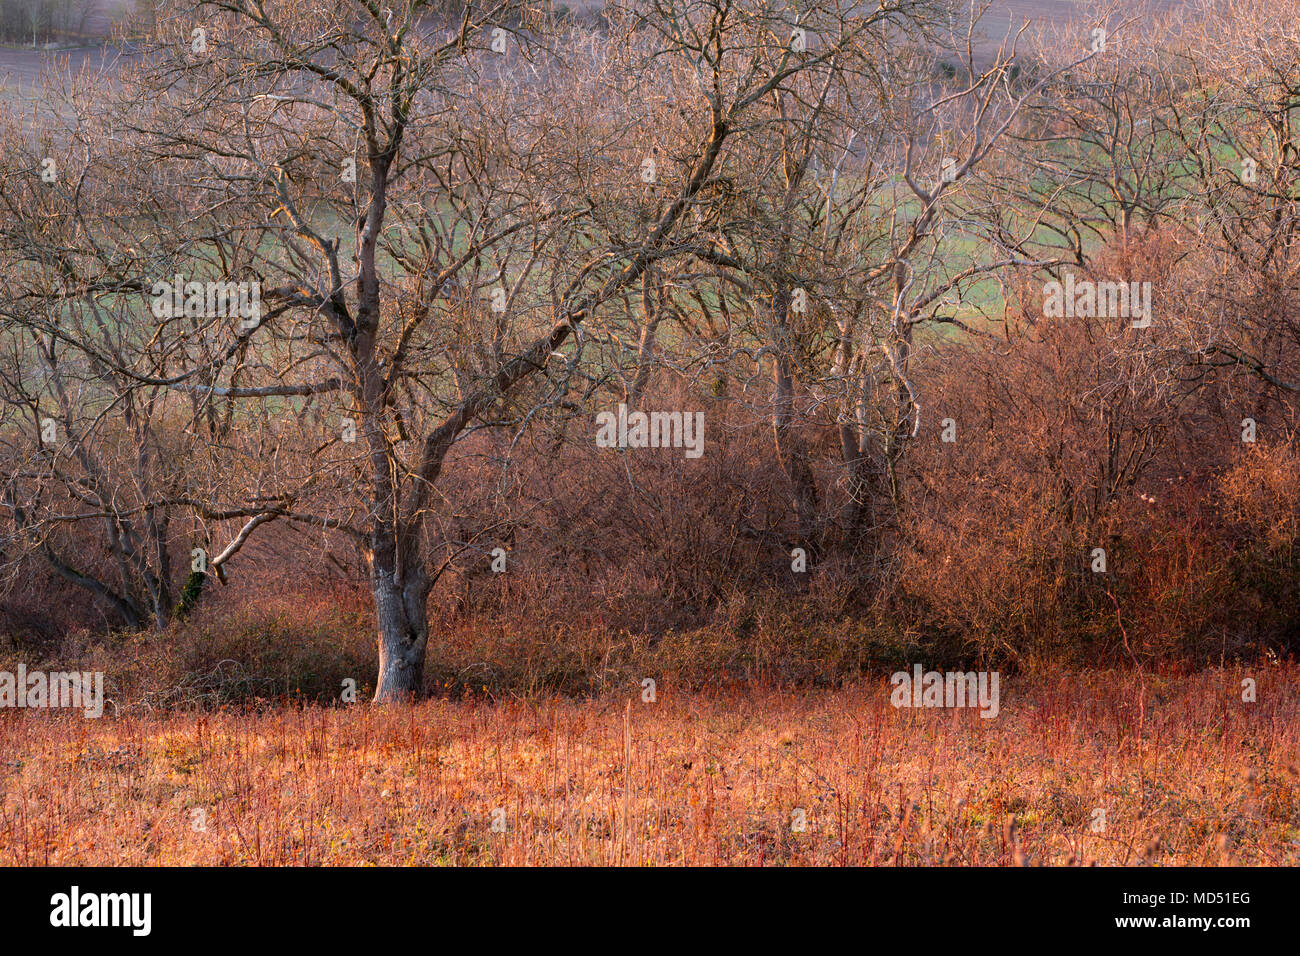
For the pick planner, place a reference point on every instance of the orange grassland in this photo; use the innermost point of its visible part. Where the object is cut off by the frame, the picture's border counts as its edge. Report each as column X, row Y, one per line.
column 1185, row 771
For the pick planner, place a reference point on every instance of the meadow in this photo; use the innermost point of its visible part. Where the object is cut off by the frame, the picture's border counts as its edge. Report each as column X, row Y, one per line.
column 1080, row 769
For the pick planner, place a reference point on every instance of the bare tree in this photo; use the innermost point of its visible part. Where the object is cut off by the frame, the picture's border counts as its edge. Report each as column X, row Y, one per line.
column 423, row 227
column 872, row 207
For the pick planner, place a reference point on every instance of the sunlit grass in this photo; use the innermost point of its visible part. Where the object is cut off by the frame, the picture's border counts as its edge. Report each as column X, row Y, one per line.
column 1199, row 777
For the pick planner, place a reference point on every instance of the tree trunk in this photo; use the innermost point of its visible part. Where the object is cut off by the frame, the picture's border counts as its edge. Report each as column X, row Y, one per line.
column 789, row 448
column 859, row 487
column 867, row 508
column 402, row 613
column 651, row 314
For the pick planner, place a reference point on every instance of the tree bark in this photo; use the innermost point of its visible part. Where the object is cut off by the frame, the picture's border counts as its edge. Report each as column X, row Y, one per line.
column 401, row 610
column 651, row 313
column 789, row 449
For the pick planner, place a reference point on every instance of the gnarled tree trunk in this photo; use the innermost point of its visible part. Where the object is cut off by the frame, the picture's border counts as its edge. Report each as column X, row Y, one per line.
column 402, row 614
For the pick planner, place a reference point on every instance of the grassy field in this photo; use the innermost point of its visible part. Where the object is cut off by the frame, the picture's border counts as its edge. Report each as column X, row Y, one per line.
column 1185, row 772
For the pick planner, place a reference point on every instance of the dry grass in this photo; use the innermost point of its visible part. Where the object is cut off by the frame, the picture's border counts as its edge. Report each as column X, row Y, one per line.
column 1194, row 777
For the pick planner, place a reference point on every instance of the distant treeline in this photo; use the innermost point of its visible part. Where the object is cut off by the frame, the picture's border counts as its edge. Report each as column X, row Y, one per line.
column 36, row 21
